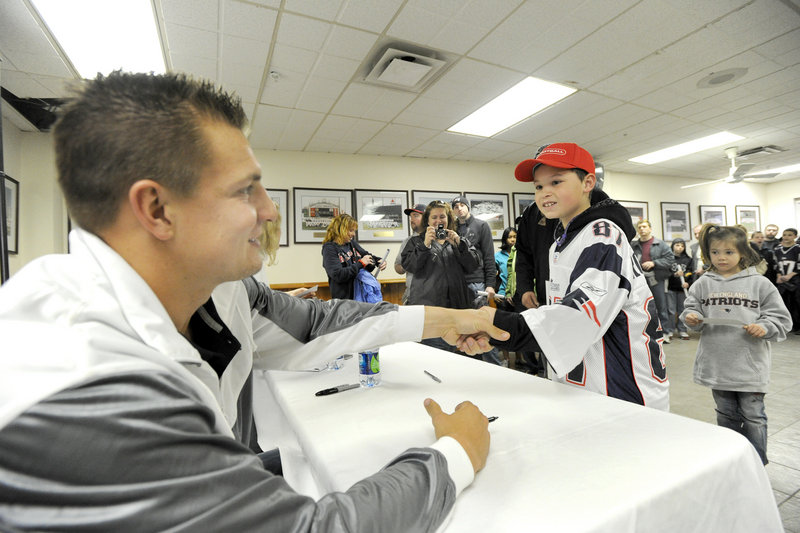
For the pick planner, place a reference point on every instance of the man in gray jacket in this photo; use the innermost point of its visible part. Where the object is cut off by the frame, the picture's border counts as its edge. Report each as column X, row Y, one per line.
column 113, row 414
column 478, row 234
column 656, row 258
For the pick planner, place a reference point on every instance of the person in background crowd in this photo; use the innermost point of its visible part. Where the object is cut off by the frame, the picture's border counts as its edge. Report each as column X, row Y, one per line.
column 440, row 260
column 482, row 279
column 343, row 257
column 656, row 259
column 771, row 239
column 127, row 372
column 697, row 261
column 501, row 258
column 787, row 267
column 270, row 242
column 734, row 361
column 677, row 286
column 415, row 222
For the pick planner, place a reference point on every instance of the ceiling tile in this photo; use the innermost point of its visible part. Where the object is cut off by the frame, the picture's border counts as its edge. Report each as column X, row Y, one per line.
column 370, row 16
column 303, row 32
column 192, row 41
column 203, row 14
column 248, row 21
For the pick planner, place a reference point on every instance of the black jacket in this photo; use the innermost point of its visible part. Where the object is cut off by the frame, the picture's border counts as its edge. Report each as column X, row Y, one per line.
column 341, row 263
column 479, row 234
column 440, row 273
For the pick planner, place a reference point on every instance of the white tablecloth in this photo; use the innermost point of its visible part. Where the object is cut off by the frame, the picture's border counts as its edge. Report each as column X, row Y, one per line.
column 561, row 459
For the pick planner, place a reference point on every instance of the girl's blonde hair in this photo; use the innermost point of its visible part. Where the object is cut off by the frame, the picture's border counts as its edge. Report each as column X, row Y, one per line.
column 339, row 227
column 271, row 238
column 734, row 234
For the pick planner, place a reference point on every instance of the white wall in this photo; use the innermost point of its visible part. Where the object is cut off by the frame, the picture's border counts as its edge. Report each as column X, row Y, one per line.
column 780, row 204
column 30, row 159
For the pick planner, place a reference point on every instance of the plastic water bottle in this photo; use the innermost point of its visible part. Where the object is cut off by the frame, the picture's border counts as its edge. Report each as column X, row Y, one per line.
column 369, row 368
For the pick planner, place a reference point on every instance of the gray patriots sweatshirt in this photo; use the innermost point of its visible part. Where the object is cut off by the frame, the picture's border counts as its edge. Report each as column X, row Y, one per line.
column 728, row 358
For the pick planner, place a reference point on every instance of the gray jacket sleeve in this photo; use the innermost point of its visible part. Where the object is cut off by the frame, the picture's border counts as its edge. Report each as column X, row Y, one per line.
column 662, row 256
column 294, row 333
column 138, row 452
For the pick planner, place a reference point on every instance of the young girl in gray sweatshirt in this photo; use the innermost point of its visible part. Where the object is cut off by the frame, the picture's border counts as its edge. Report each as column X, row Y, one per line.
column 738, row 311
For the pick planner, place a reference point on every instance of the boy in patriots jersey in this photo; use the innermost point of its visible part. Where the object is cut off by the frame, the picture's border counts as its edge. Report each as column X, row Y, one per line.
column 787, row 267
column 600, row 330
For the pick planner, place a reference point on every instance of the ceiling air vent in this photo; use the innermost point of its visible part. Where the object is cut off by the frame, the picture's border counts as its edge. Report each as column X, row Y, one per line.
column 403, row 66
column 760, row 150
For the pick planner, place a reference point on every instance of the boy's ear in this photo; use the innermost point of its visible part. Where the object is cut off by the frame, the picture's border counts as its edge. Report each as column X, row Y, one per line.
column 148, row 200
column 589, row 182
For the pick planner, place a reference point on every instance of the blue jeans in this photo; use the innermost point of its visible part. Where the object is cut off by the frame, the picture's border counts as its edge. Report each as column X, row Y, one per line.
column 744, row 412
column 660, row 298
column 675, row 301
column 493, row 355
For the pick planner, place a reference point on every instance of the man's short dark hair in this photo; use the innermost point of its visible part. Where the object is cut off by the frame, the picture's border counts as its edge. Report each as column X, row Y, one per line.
column 125, row 127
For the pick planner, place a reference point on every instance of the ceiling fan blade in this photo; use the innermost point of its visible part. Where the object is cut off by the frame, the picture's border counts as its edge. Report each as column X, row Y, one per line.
column 700, row 184
column 761, row 176
column 741, row 170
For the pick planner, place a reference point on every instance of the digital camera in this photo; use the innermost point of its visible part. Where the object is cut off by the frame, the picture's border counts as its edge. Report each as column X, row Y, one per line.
column 441, row 233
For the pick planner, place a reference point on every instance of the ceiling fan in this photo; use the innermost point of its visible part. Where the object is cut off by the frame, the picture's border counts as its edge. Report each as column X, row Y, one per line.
column 736, row 173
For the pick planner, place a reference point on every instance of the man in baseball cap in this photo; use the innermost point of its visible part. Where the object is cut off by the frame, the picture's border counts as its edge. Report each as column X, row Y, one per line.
column 596, row 294
column 415, row 221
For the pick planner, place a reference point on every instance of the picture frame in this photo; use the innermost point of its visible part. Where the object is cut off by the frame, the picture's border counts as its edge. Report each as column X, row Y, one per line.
column 280, row 197
column 11, row 187
column 749, row 216
column 315, row 208
column 521, row 201
column 426, row 197
column 675, row 221
column 380, row 215
column 638, row 210
column 713, row 214
column 492, row 208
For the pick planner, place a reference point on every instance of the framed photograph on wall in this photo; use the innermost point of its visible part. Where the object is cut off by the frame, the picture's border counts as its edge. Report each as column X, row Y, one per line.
column 315, row 208
column 638, row 210
column 675, row 221
column 492, row 208
column 380, row 215
column 521, row 201
column 281, row 199
column 12, row 213
column 713, row 214
column 749, row 216
column 426, row 197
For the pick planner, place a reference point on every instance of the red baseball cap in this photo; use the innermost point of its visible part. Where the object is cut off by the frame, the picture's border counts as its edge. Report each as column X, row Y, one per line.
column 559, row 155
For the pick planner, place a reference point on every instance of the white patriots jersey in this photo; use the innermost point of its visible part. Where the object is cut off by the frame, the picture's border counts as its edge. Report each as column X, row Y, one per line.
column 600, row 330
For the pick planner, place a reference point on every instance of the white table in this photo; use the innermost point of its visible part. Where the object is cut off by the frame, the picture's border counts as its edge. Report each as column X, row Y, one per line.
column 561, row 459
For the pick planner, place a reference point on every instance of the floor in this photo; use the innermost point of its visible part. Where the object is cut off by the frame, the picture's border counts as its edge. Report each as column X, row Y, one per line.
column 783, row 413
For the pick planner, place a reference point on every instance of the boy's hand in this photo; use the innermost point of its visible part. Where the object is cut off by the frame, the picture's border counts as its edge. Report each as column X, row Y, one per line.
column 529, row 300
column 692, row 320
column 467, row 425
column 754, row 330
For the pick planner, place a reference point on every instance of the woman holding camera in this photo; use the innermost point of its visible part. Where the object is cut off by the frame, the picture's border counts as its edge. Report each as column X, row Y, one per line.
column 342, row 257
column 439, row 260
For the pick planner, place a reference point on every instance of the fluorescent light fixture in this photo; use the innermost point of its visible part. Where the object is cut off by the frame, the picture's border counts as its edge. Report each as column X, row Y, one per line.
column 781, row 170
column 691, row 147
column 103, row 35
column 516, row 104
